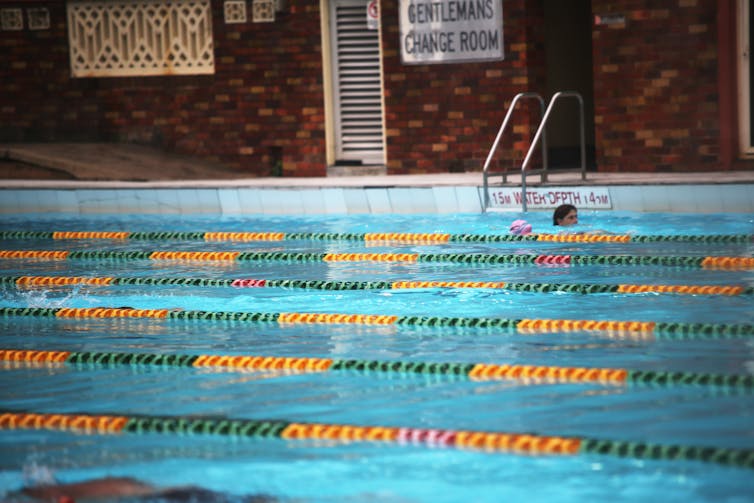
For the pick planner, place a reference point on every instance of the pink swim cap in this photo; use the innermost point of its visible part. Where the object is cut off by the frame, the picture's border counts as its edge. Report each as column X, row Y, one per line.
column 520, row 228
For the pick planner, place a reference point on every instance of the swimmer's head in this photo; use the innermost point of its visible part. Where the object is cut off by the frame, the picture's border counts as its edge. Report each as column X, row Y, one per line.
column 520, row 228
column 565, row 215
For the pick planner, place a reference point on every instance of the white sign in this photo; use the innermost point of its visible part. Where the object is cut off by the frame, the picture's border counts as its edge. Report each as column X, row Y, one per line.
column 373, row 15
column 597, row 198
column 450, row 31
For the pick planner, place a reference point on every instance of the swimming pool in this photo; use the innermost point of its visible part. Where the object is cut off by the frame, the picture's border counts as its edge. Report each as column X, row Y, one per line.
column 438, row 431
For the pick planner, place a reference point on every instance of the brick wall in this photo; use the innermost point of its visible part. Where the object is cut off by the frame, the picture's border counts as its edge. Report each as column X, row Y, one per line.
column 262, row 110
column 38, row 100
column 655, row 86
column 444, row 117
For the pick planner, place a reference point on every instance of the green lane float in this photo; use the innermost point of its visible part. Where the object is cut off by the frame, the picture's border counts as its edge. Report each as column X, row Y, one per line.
column 481, row 441
column 711, row 262
column 472, row 371
column 391, row 237
column 579, row 288
column 611, row 328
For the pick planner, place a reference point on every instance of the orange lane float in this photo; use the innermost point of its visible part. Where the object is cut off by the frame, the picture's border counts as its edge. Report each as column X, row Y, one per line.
column 396, row 285
column 343, row 433
column 62, row 280
column 107, row 312
column 198, row 256
column 728, row 262
column 536, row 325
column 483, row 372
column 333, row 318
column 406, row 237
column 90, row 235
column 682, row 289
column 244, row 236
column 583, row 238
column 371, row 257
column 42, row 254
column 265, row 363
column 77, row 423
column 34, row 356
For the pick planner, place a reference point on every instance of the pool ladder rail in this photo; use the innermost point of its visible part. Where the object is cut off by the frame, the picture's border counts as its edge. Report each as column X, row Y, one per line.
column 540, row 136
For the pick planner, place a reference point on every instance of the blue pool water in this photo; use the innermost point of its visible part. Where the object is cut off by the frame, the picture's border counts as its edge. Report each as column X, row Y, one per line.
column 317, row 470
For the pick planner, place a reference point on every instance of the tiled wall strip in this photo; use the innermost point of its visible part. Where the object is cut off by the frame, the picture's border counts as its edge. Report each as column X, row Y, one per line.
column 708, row 198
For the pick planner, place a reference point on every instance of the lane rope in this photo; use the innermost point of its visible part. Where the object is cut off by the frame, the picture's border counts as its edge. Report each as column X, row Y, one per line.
column 472, row 371
column 484, row 441
column 729, row 263
column 580, row 288
column 614, row 328
column 387, row 237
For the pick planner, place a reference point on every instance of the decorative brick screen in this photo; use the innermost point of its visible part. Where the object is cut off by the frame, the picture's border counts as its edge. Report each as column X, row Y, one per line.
column 139, row 38
column 235, row 11
column 39, row 19
column 11, row 19
column 263, row 11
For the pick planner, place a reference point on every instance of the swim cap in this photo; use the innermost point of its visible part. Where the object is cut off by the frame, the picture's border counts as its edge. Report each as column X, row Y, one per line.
column 520, row 228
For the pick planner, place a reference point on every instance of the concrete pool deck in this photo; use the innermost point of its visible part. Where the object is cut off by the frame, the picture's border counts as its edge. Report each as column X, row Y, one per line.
column 135, row 179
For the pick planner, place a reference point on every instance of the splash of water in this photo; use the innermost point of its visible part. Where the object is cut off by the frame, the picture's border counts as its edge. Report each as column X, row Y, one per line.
column 46, row 298
column 38, row 475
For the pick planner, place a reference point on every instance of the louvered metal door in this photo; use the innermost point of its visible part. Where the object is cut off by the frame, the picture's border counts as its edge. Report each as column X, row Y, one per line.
column 358, row 85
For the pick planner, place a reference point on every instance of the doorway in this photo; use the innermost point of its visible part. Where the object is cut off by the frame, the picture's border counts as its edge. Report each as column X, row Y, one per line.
column 568, row 60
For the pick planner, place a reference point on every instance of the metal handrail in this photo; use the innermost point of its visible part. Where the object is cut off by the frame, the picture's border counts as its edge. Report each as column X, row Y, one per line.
column 540, row 132
column 516, row 98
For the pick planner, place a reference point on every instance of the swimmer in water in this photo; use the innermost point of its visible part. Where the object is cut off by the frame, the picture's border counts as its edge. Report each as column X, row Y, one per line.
column 565, row 215
column 520, row 228
column 110, row 489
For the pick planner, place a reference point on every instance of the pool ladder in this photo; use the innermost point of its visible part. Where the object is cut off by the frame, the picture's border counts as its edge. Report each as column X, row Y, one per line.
column 540, row 136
